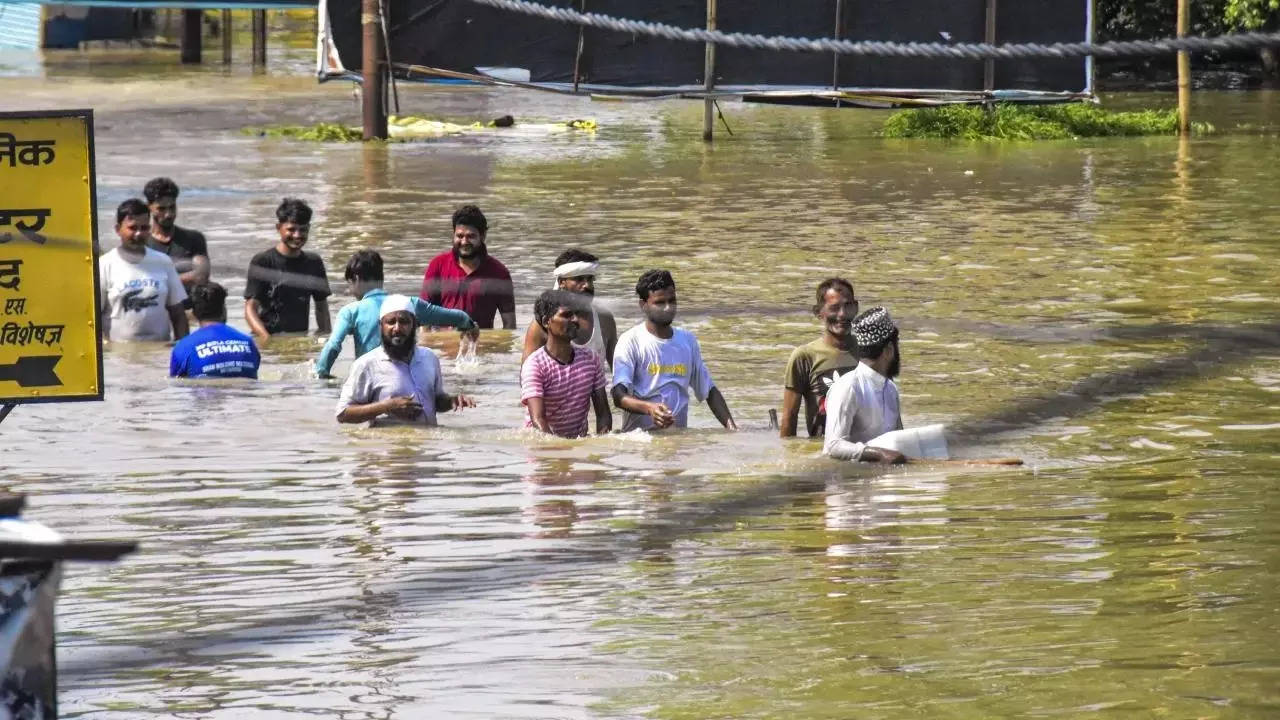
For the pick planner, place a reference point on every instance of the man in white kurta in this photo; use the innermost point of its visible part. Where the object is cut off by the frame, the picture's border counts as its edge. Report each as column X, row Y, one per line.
column 864, row 404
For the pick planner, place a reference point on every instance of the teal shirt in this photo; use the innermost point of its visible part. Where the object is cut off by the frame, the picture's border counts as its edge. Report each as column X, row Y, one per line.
column 360, row 319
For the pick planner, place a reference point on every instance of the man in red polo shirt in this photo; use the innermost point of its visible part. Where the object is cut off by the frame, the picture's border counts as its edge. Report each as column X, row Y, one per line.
column 467, row 278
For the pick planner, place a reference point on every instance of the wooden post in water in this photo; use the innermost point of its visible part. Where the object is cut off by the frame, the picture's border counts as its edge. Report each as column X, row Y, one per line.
column 577, row 56
column 1184, row 70
column 989, row 65
column 192, row 26
column 372, row 87
column 260, row 38
column 226, row 37
column 709, row 78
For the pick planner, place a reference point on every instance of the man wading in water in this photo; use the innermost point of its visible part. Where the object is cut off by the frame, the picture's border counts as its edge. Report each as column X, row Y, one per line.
column 283, row 279
column 656, row 365
column 186, row 248
column 467, row 277
column 576, row 272
column 561, row 381
column 814, row 368
column 863, row 405
column 398, row 380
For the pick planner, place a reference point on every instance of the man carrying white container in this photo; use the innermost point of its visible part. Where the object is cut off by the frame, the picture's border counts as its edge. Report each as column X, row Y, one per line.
column 864, row 418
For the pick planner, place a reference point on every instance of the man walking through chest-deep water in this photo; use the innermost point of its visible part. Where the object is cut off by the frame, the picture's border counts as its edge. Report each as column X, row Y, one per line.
column 655, row 365
column 141, row 295
column 561, row 381
column 864, row 404
column 186, row 248
column 466, row 277
column 576, row 272
column 216, row 350
column 814, row 367
column 285, row 278
column 399, row 381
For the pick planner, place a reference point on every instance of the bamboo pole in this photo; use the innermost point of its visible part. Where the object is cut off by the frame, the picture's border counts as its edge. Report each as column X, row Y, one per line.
column 577, row 56
column 1184, row 70
column 226, row 37
column 989, row 65
column 259, row 38
column 835, row 57
column 372, row 89
column 709, row 78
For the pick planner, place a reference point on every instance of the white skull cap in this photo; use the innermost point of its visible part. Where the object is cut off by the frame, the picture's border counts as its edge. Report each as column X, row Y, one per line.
column 395, row 303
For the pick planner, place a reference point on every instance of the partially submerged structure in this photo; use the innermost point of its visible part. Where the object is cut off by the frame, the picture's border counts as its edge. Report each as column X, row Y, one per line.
column 458, row 39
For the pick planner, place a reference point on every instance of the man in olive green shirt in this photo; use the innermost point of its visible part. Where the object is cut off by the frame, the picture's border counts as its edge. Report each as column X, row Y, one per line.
column 814, row 367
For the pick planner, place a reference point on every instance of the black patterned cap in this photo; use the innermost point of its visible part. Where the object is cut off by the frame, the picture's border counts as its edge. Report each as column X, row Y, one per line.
column 873, row 327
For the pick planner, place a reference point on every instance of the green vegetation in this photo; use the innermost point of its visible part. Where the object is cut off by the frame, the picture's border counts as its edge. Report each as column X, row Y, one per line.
column 320, row 132
column 1030, row 122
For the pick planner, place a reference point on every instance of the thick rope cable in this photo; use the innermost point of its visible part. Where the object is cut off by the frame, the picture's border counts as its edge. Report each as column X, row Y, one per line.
column 875, row 48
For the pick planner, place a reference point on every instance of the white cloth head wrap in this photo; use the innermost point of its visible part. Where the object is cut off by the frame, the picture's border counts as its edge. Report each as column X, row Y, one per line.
column 395, row 303
column 574, row 269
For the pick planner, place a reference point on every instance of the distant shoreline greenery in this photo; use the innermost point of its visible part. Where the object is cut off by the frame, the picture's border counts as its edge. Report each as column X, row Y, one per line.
column 1030, row 122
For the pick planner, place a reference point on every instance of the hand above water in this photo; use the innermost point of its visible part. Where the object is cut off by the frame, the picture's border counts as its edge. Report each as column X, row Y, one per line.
column 661, row 415
column 405, row 407
column 883, row 456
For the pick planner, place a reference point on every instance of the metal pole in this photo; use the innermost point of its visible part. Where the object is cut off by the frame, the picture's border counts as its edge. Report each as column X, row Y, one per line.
column 1184, row 70
column 989, row 65
column 372, row 90
column 226, row 37
column 260, row 38
column 191, row 31
column 709, row 78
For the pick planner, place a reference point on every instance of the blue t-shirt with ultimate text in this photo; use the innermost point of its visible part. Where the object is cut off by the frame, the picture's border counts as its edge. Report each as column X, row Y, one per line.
column 215, row 351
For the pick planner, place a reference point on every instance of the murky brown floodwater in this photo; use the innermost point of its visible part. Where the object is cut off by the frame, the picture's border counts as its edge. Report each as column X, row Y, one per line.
column 1106, row 309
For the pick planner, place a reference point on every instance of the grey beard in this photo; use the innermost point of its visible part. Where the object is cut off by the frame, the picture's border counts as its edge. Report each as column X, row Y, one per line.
column 395, row 352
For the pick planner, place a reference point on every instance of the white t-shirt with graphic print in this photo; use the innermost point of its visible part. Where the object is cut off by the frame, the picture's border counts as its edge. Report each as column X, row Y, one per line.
column 657, row 370
column 137, row 295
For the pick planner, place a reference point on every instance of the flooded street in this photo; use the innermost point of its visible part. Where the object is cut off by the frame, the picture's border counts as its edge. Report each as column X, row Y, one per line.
column 1106, row 309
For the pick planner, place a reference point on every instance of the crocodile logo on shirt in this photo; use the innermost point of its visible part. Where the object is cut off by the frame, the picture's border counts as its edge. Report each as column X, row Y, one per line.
column 131, row 302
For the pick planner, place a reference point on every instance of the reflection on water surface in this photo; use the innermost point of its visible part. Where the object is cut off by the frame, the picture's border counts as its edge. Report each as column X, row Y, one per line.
column 1106, row 309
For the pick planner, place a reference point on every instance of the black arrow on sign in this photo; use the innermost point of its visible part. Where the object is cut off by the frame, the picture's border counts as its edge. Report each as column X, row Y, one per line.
column 32, row 371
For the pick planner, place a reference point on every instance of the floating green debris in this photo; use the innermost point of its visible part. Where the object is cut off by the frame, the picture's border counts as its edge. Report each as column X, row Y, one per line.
column 320, row 132
column 412, row 128
column 1031, row 122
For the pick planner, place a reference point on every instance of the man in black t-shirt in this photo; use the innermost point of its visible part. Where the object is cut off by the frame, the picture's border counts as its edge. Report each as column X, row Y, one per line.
column 283, row 279
column 186, row 248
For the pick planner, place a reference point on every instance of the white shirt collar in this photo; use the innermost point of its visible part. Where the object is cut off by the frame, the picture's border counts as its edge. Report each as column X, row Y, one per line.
column 876, row 378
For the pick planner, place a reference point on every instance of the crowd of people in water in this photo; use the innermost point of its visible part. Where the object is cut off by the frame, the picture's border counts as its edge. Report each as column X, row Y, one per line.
column 573, row 361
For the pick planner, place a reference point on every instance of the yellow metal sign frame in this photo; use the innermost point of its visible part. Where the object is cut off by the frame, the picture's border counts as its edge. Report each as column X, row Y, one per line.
column 50, row 314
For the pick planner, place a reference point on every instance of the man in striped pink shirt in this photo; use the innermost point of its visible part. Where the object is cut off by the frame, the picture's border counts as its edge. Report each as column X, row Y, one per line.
column 561, row 381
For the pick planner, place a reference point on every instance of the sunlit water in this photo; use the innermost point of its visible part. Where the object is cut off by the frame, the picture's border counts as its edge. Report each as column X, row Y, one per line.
column 1105, row 309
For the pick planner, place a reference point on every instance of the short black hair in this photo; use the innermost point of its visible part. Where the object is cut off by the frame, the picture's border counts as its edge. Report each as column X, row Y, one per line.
column 550, row 301
column 208, row 301
column 158, row 188
column 293, row 210
column 364, row 265
column 130, row 208
column 470, row 215
column 832, row 282
column 654, row 280
column 575, row 255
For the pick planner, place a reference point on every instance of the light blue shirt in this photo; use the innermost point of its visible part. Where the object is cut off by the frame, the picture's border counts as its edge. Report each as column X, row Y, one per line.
column 360, row 319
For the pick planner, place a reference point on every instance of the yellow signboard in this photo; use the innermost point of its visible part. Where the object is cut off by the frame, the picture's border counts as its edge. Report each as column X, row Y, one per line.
column 50, row 349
